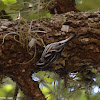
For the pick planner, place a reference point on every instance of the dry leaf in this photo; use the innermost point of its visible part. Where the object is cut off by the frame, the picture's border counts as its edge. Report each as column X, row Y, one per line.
column 32, row 42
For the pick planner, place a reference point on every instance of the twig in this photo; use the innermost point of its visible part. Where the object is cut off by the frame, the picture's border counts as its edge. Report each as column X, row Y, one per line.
column 30, row 26
column 39, row 31
column 7, row 35
column 16, row 92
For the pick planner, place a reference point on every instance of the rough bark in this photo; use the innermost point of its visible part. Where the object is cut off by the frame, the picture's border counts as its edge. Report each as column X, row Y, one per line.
column 17, row 62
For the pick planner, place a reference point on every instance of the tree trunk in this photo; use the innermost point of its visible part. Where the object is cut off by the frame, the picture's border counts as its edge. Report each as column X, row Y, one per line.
column 17, row 59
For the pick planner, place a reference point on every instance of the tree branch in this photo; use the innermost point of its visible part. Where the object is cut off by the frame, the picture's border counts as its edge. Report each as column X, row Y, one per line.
column 16, row 58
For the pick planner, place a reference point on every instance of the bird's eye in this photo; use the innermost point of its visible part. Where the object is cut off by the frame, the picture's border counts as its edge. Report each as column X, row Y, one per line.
column 60, row 43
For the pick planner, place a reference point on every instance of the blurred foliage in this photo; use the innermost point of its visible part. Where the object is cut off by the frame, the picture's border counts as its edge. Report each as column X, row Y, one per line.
column 79, row 85
column 7, row 89
column 26, row 9
column 9, row 1
column 34, row 9
column 53, row 87
column 88, row 5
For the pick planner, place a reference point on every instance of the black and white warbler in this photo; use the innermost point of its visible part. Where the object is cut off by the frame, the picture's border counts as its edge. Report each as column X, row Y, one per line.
column 53, row 51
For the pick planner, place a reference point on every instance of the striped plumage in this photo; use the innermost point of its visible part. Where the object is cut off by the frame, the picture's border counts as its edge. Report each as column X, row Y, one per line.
column 52, row 52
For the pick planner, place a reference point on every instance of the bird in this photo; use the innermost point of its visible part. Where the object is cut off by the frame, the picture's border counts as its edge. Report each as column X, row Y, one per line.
column 52, row 52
